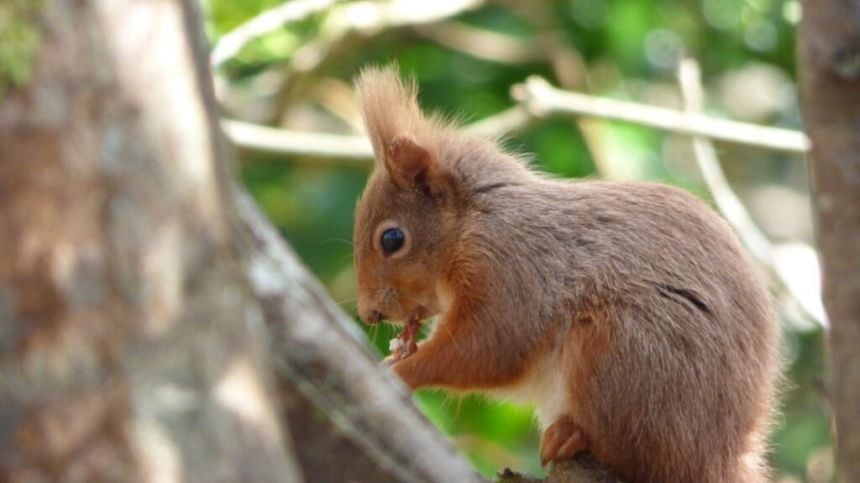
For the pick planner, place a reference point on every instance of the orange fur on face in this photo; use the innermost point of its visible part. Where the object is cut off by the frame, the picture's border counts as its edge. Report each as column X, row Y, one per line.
column 627, row 313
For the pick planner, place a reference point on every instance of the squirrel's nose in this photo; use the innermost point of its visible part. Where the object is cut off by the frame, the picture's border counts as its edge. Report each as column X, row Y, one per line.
column 372, row 316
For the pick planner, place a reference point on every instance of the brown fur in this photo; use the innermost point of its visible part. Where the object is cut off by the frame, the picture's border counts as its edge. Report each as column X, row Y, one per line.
column 637, row 293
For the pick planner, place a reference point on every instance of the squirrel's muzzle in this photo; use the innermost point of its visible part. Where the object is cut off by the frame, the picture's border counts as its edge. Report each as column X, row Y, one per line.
column 373, row 317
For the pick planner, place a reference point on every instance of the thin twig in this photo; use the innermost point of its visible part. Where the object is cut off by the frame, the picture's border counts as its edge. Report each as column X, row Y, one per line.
column 298, row 143
column 349, row 148
column 502, row 124
column 482, row 43
column 727, row 202
column 570, row 71
column 542, row 99
column 709, row 165
column 342, row 26
column 268, row 21
column 369, row 17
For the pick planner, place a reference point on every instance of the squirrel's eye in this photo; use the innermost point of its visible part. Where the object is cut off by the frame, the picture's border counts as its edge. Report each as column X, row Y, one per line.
column 392, row 240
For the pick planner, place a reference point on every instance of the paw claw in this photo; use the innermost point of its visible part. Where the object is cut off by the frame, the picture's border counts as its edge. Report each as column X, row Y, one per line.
column 563, row 440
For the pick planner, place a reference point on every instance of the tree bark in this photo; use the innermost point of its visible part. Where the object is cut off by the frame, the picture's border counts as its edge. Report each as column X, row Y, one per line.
column 830, row 82
column 327, row 370
column 153, row 326
column 132, row 347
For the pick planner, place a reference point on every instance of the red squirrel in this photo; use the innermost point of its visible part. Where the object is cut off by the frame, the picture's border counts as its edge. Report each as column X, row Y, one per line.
column 627, row 313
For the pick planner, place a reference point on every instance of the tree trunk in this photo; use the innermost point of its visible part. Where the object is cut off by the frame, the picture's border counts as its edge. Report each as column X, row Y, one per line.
column 132, row 346
column 153, row 326
column 830, row 81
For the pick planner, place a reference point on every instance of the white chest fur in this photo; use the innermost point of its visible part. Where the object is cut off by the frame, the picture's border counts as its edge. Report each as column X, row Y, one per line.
column 544, row 387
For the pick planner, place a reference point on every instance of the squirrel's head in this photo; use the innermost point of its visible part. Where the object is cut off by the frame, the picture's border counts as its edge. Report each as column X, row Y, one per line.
column 406, row 221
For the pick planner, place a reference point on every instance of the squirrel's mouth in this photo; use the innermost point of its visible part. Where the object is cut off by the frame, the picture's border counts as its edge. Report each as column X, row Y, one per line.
column 420, row 312
column 405, row 344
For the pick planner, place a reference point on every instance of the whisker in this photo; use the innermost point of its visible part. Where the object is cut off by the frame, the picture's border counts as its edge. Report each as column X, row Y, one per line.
column 341, row 240
column 373, row 332
column 459, row 405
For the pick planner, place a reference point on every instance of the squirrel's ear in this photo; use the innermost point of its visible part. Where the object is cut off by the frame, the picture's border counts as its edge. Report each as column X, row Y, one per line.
column 407, row 162
column 403, row 139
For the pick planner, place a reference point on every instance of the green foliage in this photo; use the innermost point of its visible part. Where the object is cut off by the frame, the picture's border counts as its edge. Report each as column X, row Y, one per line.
column 20, row 37
column 631, row 48
column 806, row 428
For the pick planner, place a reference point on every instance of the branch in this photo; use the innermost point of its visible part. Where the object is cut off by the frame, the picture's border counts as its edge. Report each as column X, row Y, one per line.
column 349, row 149
column 582, row 469
column 125, row 357
column 482, row 43
column 830, row 100
column 370, row 16
column 501, row 124
column 542, row 99
column 352, row 22
column 268, row 21
column 570, row 71
column 298, row 143
column 537, row 99
column 343, row 26
column 727, row 201
column 331, row 383
column 709, row 166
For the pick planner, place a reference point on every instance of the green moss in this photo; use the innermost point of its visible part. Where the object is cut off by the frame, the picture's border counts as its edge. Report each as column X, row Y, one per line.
column 20, row 37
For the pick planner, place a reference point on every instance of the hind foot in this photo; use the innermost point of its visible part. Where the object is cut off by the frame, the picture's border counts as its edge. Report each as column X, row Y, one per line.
column 563, row 440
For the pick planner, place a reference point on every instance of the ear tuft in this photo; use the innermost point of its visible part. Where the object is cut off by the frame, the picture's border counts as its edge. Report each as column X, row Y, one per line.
column 403, row 139
column 389, row 106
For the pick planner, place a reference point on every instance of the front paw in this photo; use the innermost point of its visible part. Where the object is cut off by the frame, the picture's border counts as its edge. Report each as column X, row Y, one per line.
column 389, row 361
column 563, row 440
